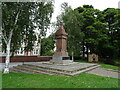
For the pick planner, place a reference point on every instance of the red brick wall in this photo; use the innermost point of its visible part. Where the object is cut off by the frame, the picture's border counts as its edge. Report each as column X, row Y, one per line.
column 27, row 59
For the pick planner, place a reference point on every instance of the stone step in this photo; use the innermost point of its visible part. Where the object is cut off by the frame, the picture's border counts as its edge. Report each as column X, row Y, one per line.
column 43, row 69
column 47, row 68
column 27, row 68
column 17, row 70
column 85, row 70
column 67, row 71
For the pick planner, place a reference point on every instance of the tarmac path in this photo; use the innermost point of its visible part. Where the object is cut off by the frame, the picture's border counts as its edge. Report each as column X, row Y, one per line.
column 105, row 72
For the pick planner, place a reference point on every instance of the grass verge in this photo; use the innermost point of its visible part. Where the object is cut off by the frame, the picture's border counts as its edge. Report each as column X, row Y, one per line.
column 107, row 66
column 83, row 80
column 0, row 80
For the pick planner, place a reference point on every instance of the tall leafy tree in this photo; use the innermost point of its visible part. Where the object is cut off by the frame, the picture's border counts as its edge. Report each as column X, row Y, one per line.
column 72, row 24
column 47, row 46
column 101, row 29
column 111, row 18
column 19, row 21
column 12, row 27
column 42, row 18
column 93, row 27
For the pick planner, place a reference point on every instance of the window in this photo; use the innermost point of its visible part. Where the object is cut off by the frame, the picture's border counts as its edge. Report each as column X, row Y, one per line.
column 36, row 43
column 20, row 51
column 35, row 51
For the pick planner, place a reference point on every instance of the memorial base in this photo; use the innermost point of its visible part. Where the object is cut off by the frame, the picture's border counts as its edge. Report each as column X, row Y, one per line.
column 61, row 60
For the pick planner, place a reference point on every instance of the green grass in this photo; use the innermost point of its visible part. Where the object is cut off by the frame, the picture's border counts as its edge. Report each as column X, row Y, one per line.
column 107, row 66
column 0, row 80
column 83, row 80
column 117, row 61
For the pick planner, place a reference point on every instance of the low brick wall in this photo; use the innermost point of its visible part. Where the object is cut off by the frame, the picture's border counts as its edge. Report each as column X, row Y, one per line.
column 28, row 59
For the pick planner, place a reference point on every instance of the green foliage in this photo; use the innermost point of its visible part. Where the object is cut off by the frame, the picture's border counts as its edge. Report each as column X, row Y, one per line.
column 98, row 31
column 47, row 46
column 83, row 80
column 72, row 24
column 110, row 15
column 101, row 29
column 43, row 16
column 75, row 35
column 92, row 27
column 31, row 15
column 107, row 66
column 23, row 27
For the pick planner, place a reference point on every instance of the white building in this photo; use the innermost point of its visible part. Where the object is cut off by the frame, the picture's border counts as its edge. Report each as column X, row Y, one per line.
column 34, row 52
column 21, row 52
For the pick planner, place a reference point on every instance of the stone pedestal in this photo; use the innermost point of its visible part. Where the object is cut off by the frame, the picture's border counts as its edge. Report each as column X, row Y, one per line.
column 61, row 54
column 61, row 60
column 64, row 62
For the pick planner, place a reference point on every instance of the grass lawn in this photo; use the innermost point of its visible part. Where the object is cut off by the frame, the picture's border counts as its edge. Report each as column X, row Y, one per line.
column 83, row 80
column 0, row 80
column 107, row 66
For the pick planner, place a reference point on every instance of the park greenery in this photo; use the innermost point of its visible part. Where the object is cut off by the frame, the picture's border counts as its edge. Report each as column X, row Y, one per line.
column 47, row 46
column 89, row 30
column 107, row 66
column 19, row 20
column 83, row 80
column 98, row 31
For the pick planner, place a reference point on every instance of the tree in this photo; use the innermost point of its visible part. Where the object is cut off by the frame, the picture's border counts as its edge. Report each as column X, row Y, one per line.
column 42, row 18
column 12, row 27
column 19, row 23
column 101, row 29
column 111, row 18
column 72, row 24
column 47, row 46
column 93, row 27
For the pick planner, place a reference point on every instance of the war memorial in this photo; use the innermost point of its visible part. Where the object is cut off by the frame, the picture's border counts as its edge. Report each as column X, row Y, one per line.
column 60, row 64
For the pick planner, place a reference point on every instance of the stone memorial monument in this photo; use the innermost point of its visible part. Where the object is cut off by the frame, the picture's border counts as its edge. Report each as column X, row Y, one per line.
column 60, row 63
column 61, row 55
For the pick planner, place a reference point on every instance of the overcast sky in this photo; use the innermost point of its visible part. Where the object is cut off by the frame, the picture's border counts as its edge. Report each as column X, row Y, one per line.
column 97, row 4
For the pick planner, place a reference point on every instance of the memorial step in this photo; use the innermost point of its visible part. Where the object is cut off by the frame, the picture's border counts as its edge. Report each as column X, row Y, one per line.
column 27, row 71
column 39, row 70
column 67, row 71
column 28, row 68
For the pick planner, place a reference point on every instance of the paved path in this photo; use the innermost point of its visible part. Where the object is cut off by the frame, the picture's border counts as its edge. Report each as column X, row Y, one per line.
column 2, row 65
column 98, row 71
column 105, row 72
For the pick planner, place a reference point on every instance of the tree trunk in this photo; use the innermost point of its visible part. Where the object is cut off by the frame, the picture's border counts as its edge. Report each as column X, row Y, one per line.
column 83, row 50
column 87, row 52
column 40, row 47
column 6, row 69
column 72, row 55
